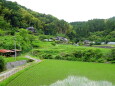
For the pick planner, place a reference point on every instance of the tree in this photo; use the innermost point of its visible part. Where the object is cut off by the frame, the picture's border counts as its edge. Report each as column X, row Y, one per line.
column 2, row 64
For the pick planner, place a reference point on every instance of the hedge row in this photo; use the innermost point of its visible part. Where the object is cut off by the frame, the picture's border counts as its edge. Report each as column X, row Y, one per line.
column 90, row 55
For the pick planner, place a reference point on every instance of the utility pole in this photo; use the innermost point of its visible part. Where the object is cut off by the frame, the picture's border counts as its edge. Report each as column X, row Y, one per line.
column 15, row 47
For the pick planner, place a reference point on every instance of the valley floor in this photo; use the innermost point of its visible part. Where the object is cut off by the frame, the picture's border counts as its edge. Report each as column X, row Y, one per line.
column 50, row 71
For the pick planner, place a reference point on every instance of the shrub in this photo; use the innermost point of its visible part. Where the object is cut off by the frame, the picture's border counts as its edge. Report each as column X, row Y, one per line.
column 35, row 44
column 97, row 43
column 58, row 57
column 2, row 64
column 30, row 60
column 42, row 37
column 113, row 54
column 92, row 54
column 112, row 61
column 35, row 52
column 47, row 56
column 69, row 57
column 92, row 59
column 54, row 44
column 80, row 43
column 87, row 55
column 100, row 60
column 91, row 44
column 78, row 54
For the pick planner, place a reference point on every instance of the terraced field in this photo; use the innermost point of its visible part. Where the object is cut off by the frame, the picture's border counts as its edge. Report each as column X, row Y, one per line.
column 49, row 71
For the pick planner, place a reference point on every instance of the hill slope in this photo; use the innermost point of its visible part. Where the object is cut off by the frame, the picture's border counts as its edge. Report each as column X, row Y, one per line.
column 13, row 15
column 95, row 30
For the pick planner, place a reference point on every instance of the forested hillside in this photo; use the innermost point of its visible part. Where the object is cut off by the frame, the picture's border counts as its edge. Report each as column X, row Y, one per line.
column 14, row 16
column 95, row 30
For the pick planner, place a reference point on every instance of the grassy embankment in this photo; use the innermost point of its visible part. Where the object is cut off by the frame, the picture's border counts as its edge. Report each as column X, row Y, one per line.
column 12, row 59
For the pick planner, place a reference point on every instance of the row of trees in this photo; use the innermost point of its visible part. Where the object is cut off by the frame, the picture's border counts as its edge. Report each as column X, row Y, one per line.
column 23, row 39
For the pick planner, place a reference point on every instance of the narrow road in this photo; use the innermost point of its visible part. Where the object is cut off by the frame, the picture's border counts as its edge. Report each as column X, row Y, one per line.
column 36, row 60
column 5, row 74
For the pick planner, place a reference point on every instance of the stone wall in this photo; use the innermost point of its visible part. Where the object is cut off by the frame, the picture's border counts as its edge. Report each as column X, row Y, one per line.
column 10, row 65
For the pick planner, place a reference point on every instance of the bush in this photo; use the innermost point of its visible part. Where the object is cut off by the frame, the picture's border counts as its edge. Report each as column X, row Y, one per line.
column 30, row 60
column 97, row 43
column 42, row 37
column 113, row 54
column 78, row 54
column 70, row 57
column 80, row 43
column 89, row 55
column 35, row 52
column 92, row 54
column 35, row 44
column 58, row 57
column 91, row 44
column 112, row 61
column 2, row 64
column 54, row 44
column 47, row 56
column 101, row 60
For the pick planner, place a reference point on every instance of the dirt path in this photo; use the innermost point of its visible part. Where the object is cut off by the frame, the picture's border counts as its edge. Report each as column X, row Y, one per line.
column 4, row 75
column 36, row 60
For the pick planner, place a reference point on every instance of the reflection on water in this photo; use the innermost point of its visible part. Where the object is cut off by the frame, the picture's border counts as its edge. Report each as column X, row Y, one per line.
column 80, row 81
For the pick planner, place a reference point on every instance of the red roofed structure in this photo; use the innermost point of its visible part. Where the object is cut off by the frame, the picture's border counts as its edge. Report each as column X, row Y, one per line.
column 5, row 51
column 9, row 53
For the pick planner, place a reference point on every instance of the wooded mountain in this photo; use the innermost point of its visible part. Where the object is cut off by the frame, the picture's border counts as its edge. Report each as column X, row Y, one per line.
column 14, row 16
column 95, row 30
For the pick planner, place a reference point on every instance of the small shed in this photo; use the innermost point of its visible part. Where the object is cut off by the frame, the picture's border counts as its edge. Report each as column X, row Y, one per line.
column 9, row 53
column 5, row 52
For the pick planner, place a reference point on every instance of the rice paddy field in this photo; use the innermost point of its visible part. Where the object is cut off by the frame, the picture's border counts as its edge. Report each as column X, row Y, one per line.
column 50, row 71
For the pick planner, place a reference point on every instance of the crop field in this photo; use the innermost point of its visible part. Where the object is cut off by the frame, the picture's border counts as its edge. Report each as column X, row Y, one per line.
column 48, row 48
column 50, row 71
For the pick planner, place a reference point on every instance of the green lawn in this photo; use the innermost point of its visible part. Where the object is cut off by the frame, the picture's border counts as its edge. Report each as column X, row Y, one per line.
column 49, row 71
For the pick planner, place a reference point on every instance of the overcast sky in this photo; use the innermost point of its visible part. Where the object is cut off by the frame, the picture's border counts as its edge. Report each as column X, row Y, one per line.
column 72, row 10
